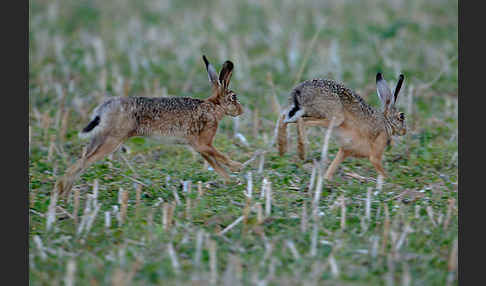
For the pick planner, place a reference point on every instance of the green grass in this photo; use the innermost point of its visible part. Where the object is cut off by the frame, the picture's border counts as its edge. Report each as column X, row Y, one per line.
column 87, row 49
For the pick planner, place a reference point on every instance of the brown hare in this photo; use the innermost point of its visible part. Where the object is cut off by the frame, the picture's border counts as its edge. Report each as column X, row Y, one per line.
column 362, row 130
column 195, row 121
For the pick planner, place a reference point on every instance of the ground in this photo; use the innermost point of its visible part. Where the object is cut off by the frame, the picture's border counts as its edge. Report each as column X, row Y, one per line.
column 81, row 52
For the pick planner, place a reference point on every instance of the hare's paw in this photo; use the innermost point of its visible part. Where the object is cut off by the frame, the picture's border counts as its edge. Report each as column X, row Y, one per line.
column 63, row 186
column 60, row 186
column 232, row 180
column 235, row 166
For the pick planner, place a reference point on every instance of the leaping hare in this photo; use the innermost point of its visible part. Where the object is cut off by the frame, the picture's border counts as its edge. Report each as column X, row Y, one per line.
column 362, row 130
column 195, row 121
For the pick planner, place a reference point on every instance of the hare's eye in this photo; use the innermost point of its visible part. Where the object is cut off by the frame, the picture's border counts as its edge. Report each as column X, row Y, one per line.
column 401, row 116
column 233, row 97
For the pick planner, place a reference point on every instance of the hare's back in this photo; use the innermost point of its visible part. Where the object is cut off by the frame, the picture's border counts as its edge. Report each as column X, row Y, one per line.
column 330, row 97
column 168, row 116
column 328, row 89
column 160, row 105
column 321, row 98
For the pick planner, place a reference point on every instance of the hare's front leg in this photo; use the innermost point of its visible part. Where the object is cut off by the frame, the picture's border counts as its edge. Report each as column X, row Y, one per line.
column 221, row 158
column 376, row 161
column 206, row 139
column 206, row 154
column 202, row 146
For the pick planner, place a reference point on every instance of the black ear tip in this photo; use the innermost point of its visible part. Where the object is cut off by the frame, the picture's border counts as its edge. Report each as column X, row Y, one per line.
column 229, row 64
column 379, row 76
column 401, row 76
column 205, row 60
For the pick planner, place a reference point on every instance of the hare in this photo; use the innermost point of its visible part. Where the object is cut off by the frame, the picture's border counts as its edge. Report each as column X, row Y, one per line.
column 362, row 130
column 195, row 121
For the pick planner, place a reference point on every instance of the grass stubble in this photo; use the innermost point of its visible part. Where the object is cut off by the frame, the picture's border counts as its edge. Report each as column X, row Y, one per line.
column 159, row 215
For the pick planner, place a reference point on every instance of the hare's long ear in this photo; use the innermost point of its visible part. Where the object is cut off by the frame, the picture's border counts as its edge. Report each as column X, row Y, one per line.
column 383, row 92
column 213, row 76
column 225, row 74
column 398, row 87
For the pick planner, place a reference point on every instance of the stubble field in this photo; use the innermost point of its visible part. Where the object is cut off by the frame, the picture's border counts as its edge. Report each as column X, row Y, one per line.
column 153, row 213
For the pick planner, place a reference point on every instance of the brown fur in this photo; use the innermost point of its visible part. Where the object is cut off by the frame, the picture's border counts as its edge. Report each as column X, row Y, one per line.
column 301, row 138
column 195, row 121
column 363, row 131
column 282, row 136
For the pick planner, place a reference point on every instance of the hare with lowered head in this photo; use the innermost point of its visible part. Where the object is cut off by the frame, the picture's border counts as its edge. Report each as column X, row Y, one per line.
column 195, row 121
column 362, row 130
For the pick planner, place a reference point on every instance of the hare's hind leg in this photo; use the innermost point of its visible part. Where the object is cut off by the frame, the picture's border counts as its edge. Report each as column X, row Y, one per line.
column 282, row 135
column 301, row 138
column 323, row 121
column 65, row 183
column 99, row 147
column 302, row 122
column 340, row 156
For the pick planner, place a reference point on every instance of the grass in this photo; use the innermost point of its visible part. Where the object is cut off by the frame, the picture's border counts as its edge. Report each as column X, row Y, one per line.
column 82, row 51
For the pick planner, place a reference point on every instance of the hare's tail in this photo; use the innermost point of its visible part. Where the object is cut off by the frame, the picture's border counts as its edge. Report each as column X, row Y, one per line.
column 91, row 128
column 282, row 135
column 290, row 115
column 100, row 119
column 91, row 125
column 295, row 111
